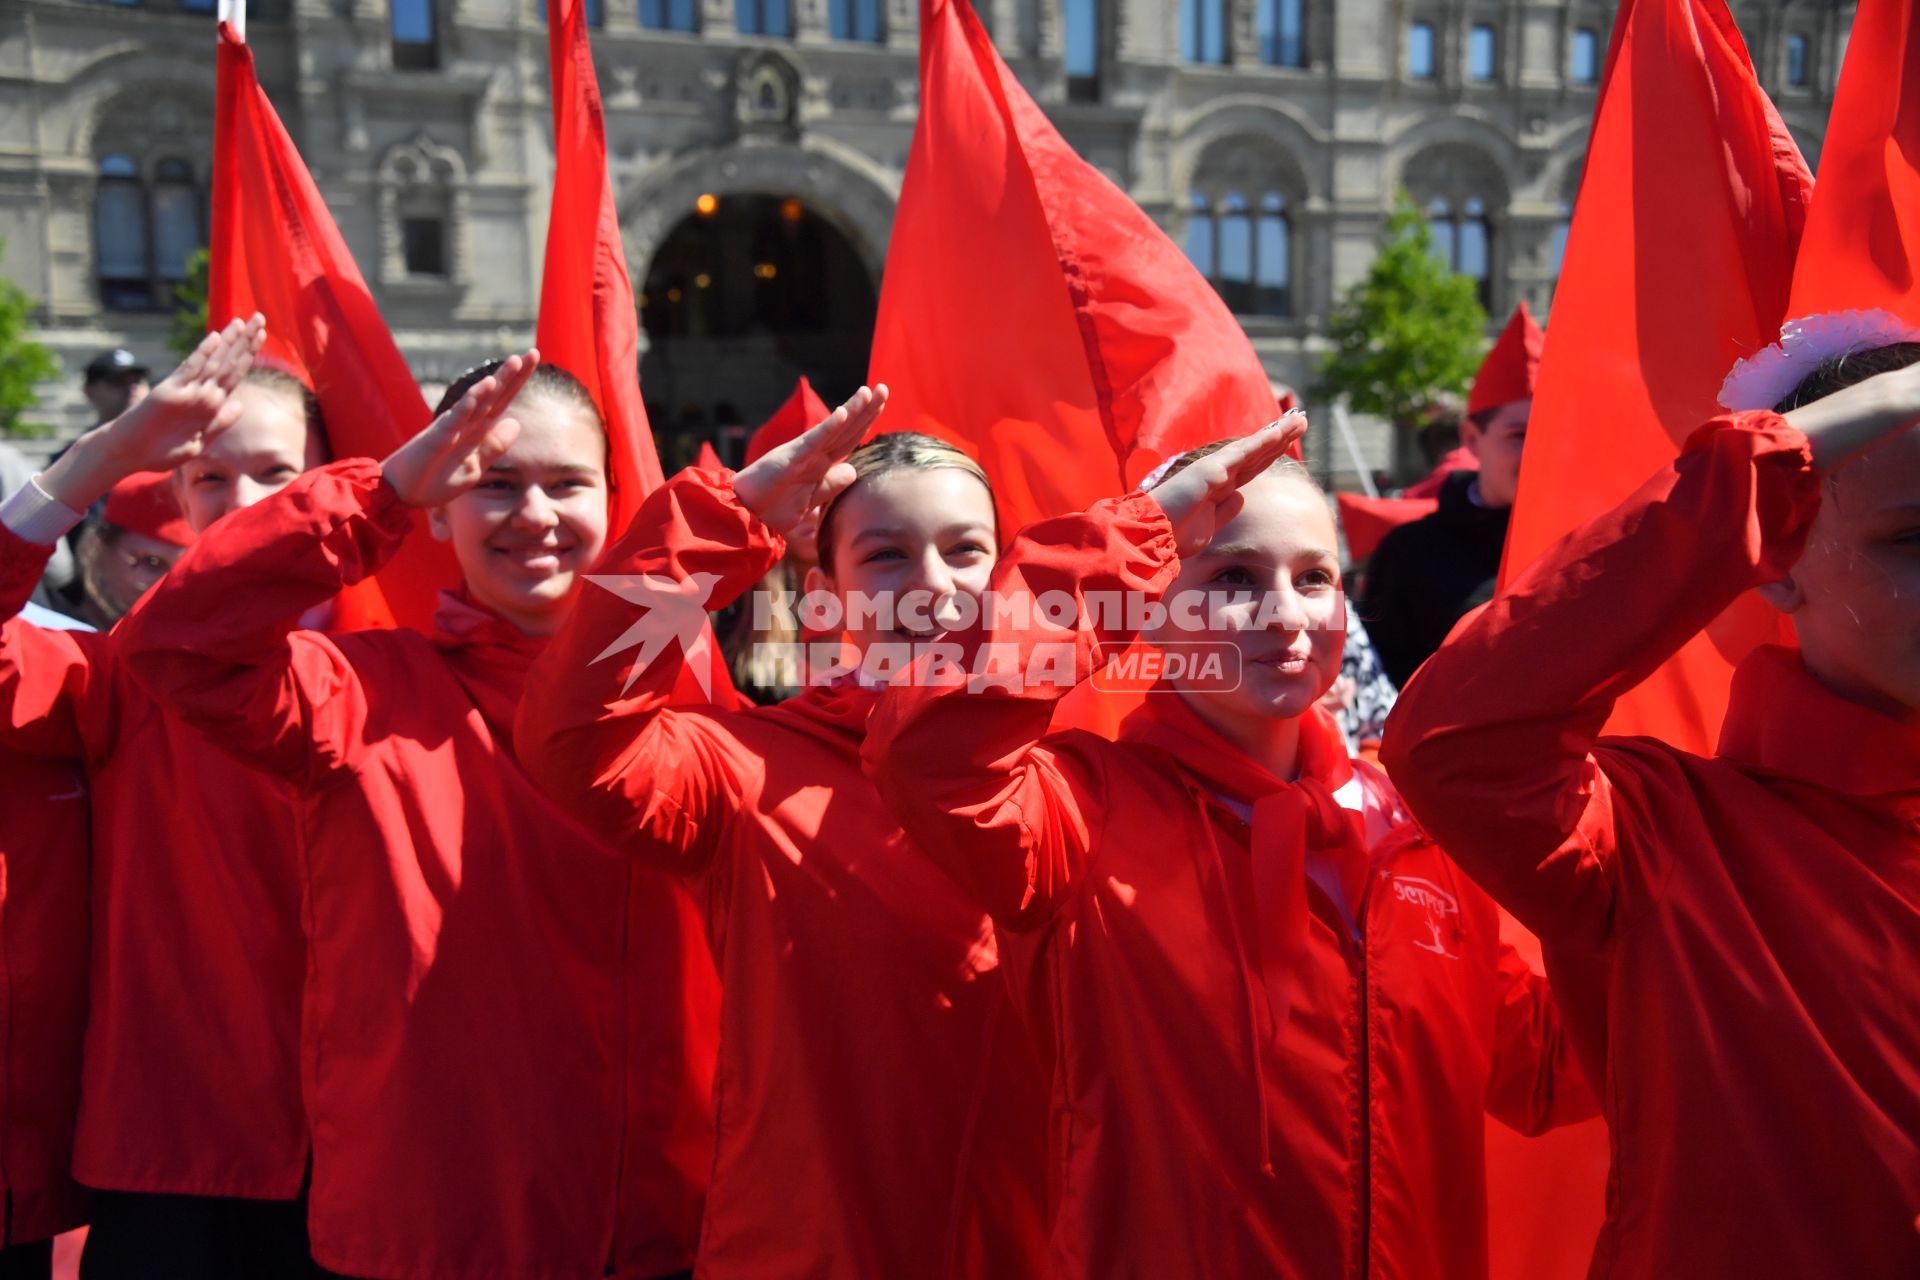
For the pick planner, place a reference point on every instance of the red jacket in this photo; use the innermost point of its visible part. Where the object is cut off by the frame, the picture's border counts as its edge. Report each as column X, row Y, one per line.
column 43, row 991
column 43, row 972
column 1244, row 1085
column 190, row 1083
column 1739, row 934
column 466, row 1050
column 880, row 1115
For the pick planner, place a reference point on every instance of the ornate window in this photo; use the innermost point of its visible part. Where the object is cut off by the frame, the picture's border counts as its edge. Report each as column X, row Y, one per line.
column 1584, row 65
column 1283, row 33
column 670, row 15
column 1798, row 72
column 763, row 17
column 1083, row 49
column 1483, row 52
column 1461, row 188
column 1240, row 228
column 416, row 34
column 146, row 224
column 422, row 214
column 1420, row 51
column 1203, row 31
column 1463, row 240
column 854, row 20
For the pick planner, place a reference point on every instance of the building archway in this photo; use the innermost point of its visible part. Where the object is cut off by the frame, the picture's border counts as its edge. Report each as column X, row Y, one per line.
column 745, row 294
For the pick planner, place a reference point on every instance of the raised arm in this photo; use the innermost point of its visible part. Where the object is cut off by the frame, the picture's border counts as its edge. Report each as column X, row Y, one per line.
column 614, row 724
column 960, row 758
column 55, row 691
column 1493, row 743
column 218, row 639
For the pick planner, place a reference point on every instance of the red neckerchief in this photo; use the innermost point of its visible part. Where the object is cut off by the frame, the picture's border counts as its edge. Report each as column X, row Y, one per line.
column 836, row 713
column 1783, row 723
column 488, row 655
column 1289, row 819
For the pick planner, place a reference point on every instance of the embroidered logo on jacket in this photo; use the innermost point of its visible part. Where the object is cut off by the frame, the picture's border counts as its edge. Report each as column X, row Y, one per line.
column 1441, row 907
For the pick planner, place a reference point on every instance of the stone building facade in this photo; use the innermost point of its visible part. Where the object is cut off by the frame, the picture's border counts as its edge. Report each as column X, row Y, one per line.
column 757, row 147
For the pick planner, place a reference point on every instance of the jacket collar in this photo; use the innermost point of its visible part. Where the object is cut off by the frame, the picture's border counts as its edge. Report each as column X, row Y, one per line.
column 836, row 713
column 1783, row 723
column 1165, row 720
column 488, row 655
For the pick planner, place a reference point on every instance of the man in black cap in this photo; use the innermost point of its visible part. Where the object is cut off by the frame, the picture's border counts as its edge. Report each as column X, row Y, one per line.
column 116, row 381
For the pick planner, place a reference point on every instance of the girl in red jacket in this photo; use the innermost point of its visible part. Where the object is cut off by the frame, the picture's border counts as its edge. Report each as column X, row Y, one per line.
column 879, row 1113
column 189, row 1118
column 1745, row 926
column 1274, row 1013
column 499, row 1046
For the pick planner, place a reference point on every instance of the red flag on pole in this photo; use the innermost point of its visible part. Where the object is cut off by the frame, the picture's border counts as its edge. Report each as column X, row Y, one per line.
column 1863, row 233
column 1031, row 312
column 275, row 250
column 588, row 323
column 801, row 410
column 1678, row 264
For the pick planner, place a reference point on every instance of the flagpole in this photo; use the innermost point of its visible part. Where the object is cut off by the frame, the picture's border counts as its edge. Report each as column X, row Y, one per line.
column 1345, row 428
column 235, row 12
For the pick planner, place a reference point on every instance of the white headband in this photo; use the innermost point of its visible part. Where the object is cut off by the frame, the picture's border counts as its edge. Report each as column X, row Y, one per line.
column 1769, row 376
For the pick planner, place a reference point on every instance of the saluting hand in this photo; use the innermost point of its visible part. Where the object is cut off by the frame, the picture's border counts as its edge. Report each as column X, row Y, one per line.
column 1205, row 495
column 809, row 471
column 454, row 451
column 171, row 425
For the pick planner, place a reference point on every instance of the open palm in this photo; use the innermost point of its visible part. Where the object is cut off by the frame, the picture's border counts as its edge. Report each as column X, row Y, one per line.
column 1205, row 495
column 454, row 451
column 810, row 470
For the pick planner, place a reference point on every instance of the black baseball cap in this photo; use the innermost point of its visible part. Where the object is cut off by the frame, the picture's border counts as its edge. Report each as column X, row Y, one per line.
column 112, row 364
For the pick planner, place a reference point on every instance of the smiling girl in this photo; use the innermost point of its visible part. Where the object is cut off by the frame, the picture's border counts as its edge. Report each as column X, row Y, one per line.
column 1274, row 1014
column 190, row 1124
column 879, row 1113
column 492, row 1091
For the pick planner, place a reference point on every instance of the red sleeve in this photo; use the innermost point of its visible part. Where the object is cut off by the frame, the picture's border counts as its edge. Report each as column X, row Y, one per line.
column 1534, row 1082
column 218, row 639
column 631, row 752
column 1009, row 817
column 1493, row 744
column 53, row 684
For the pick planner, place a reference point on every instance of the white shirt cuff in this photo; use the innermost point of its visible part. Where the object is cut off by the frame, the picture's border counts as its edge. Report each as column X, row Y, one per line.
column 36, row 516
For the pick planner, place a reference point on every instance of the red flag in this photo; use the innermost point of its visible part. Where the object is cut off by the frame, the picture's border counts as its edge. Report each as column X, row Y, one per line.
column 802, row 410
column 1863, row 233
column 275, row 250
column 1678, row 264
column 706, row 459
column 588, row 323
column 1031, row 312
column 1367, row 520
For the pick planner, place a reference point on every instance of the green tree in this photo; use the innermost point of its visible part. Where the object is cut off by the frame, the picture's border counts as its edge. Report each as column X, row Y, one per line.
column 190, row 306
column 24, row 363
column 1409, row 332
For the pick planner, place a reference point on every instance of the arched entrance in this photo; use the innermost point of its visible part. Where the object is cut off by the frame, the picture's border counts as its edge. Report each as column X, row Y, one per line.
column 744, row 295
